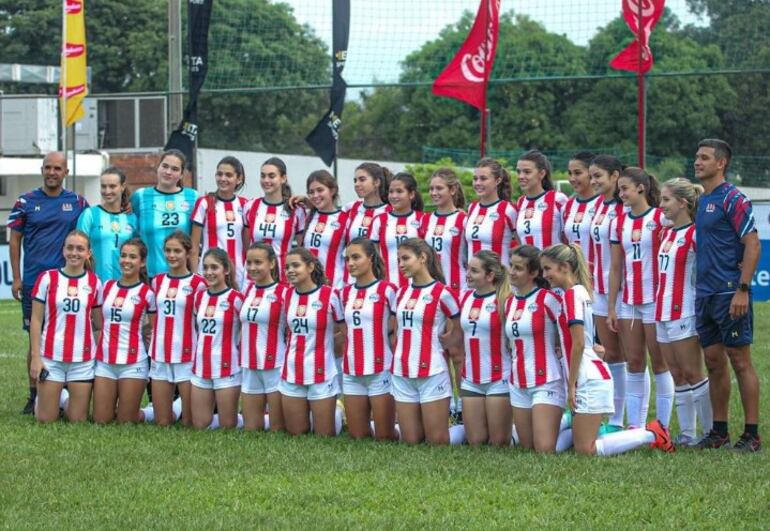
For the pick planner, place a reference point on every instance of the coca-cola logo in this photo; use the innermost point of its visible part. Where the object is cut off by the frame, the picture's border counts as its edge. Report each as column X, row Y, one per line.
column 73, row 50
column 74, row 7
column 474, row 65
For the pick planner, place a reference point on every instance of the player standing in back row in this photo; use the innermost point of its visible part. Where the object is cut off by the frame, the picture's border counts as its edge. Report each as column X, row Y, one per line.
column 728, row 252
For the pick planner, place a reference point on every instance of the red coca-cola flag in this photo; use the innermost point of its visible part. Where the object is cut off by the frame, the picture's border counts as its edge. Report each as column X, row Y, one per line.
column 629, row 58
column 467, row 76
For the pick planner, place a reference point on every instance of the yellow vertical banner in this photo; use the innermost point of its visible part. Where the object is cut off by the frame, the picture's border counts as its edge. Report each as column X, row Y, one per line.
column 73, row 82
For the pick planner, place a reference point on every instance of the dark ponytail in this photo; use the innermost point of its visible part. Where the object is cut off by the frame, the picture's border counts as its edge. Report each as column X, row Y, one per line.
column 504, row 187
column 318, row 276
column 378, row 173
column 411, row 185
column 372, row 251
column 281, row 165
column 221, row 256
column 125, row 197
column 640, row 177
column 610, row 164
column 531, row 256
column 542, row 163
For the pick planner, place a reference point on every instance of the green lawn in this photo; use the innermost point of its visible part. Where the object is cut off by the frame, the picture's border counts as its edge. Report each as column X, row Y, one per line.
column 144, row 477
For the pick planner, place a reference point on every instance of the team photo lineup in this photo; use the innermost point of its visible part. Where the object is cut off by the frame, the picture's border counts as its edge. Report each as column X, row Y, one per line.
column 543, row 323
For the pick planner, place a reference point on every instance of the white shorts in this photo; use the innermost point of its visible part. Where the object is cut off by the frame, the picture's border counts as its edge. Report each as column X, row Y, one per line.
column 600, row 305
column 256, row 382
column 671, row 331
column 551, row 393
column 73, row 372
column 368, row 385
column 234, row 380
column 422, row 390
column 595, row 397
column 320, row 391
column 630, row 312
column 136, row 371
column 171, row 372
column 471, row 389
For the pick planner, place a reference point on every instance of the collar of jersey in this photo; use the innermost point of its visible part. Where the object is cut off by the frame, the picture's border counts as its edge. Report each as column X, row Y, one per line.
column 108, row 212
column 233, row 198
column 682, row 227
column 536, row 197
column 218, row 293
column 445, row 215
column 329, row 213
column 630, row 215
column 484, row 296
column 61, row 270
column 121, row 285
column 369, row 285
column 528, row 295
column 610, row 202
column 401, row 215
column 188, row 275
column 488, row 205
column 588, row 200
column 279, row 203
column 298, row 292
column 371, row 207
column 266, row 286
column 181, row 189
column 423, row 286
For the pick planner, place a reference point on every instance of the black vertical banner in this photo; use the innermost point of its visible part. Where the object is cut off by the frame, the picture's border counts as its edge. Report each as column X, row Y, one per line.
column 198, row 18
column 323, row 138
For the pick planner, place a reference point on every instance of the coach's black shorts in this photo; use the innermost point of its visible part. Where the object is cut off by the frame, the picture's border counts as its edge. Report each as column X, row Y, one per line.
column 714, row 324
column 26, row 306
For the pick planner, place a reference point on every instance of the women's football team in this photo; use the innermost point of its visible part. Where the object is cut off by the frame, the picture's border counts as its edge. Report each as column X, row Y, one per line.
column 259, row 314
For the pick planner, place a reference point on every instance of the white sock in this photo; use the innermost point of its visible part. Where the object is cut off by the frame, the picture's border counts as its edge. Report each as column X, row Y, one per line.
column 566, row 421
column 514, row 436
column 564, row 441
column 176, row 407
column 634, row 398
column 63, row 399
column 646, row 398
column 214, row 422
column 397, row 429
column 456, row 435
column 664, row 397
column 618, row 371
column 623, row 441
column 700, row 396
column 149, row 413
column 685, row 410
column 267, row 422
column 338, row 420
column 239, row 422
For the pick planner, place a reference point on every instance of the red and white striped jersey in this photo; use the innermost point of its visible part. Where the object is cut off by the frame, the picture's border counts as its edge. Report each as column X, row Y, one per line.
column 367, row 315
column 540, row 219
column 360, row 217
column 422, row 313
column 388, row 231
column 217, row 351
column 67, row 331
column 487, row 357
column 639, row 238
column 446, row 234
column 531, row 326
column 173, row 337
column 222, row 227
column 676, row 274
column 577, row 216
column 576, row 310
column 491, row 227
column 124, row 309
column 263, row 327
column 310, row 318
column 602, row 248
column 325, row 238
column 275, row 224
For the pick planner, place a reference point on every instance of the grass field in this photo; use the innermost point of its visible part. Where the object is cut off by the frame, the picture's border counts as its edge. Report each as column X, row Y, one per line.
column 67, row 476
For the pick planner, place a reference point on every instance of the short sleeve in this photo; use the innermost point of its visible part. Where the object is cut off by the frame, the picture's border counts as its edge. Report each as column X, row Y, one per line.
column 374, row 229
column 246, row 212
column 96, row 296
column 553, row 305
column 40, row 291
column 574, row 307
column 335, row 305
column 300, row 220
column 615, row 230
column 86, row 221
column 197, row 300
column 510, row 215
column 561, row 200
column 238, row 302
column 448, row 303
column 739, row 213
column 199, row 211
column 391, row 297
column 149, row 298
column 136, row 204
column 103, row 292
column 18, row 217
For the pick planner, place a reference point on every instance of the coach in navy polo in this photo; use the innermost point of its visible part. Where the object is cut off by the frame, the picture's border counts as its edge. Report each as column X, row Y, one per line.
column 727, row 255
column 40, row 221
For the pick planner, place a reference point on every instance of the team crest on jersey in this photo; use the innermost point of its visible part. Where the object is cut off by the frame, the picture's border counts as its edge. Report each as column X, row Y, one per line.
column 358, row 304
column 579, row 217
column 400, row 229
column 651, row 225
column 427, row 298
column 255, row 301
column 118, row 302
column 210, row 311
column 229, row 215
column 224, row 305
column 517, row 314
column 301, row 309
column 532, row 307
column 136, row 299
column 494, row 216
column 115, row 226
column 285, row 214
column 667, row 246
column 454, row 231
column 411, row 303
column 129, row 228
column 374, row 297
column 479, row 219
column 72, row 291
column 170, row 205
column 320, row 227
column 86, row 289
column 542, row 207
column 636, row 235
column 335, row 225
column 366, row 221
column 171, row 293
column 317, row 305
column 529, row 213
column 66, row 207
column 270, row 218
column 592, row 211
column 474, row 314
column 184, row 206
column 271, row 298
column 680, row 241
column 438, row 230
column 414, row 223
column 710, row 207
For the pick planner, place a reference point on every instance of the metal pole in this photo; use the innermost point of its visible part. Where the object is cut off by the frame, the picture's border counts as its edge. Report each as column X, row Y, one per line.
column 175, row 109
column 74, row 159
column 641, row 92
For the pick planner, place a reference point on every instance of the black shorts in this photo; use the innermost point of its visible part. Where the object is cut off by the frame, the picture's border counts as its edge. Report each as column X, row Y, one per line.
column 715, row 326
column 26, row 306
